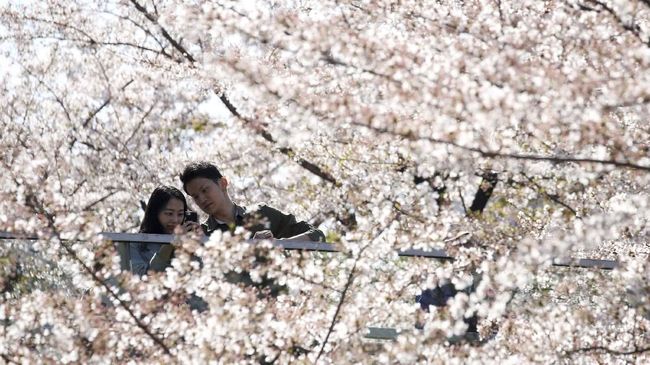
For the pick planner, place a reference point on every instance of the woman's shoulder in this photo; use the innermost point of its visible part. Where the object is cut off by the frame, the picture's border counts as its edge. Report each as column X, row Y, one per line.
column 146, row 246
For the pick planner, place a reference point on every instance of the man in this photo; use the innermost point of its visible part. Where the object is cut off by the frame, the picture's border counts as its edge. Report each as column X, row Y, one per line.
column 209, row 189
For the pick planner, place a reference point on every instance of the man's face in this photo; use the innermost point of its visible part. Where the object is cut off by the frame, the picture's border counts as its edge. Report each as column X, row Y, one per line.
column 208, row 195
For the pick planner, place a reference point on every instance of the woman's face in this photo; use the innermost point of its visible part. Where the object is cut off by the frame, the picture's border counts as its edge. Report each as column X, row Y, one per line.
column 171, row 215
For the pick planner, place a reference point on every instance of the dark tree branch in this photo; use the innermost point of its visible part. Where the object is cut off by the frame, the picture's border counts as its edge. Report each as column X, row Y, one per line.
column 557, row 159
column 137, row 127
column 629, row 103
column 89, row 145
column 513, row 156
column 501, row 17
column 307, row 165
column 348, row 284
column 484, row 192
column 105, row 43
column 398, row 208
column 337, row 62
column 628, row 26
column 93, row 42
column 94, row 113
column 606, row 350
column 314, row 169
column 8, row 360
column 56, row 97
column 288, row 151
column 152, row 18
column 63, row 26
column 145, row 30
column 587, row 8
column 87, row 207
column 553, row 197
column 79, row 185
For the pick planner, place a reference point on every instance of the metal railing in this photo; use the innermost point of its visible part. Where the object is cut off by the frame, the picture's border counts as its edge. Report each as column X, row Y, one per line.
column 377, row 333
column 328, row 247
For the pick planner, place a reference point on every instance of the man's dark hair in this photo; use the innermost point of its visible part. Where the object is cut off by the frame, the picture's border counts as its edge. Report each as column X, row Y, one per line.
column 199, row 169
column 157, row 202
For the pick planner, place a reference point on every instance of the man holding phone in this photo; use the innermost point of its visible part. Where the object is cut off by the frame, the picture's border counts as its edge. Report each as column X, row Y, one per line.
column 205, row 184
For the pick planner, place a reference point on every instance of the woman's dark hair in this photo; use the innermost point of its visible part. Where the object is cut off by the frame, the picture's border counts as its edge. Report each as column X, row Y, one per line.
column 158, row 201
column 199, row 169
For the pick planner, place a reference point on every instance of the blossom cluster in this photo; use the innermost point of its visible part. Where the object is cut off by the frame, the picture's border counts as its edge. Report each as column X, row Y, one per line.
column 506, row 133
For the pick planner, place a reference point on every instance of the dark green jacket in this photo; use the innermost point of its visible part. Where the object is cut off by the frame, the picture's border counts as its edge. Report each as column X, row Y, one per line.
column 262, row 218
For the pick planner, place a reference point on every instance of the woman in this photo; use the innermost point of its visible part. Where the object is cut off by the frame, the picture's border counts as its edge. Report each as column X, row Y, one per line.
column 164, row 213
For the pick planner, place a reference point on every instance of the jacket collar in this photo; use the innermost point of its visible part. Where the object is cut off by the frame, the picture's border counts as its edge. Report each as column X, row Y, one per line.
column 238, row 213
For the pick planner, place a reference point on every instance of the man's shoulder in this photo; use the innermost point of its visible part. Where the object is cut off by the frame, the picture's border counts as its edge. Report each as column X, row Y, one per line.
column 209, row 222
column 261, row 209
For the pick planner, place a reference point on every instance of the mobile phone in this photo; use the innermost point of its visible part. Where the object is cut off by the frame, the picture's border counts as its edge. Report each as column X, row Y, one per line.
column 191, row 216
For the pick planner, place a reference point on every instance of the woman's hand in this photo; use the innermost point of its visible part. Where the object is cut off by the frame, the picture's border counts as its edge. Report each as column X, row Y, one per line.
column 193, row 228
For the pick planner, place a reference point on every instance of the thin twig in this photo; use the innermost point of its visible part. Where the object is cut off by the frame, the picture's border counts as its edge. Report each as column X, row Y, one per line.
column 137, row 127
column 552, row 197
column 90, row 205
column 462, row 200
column 348, row 284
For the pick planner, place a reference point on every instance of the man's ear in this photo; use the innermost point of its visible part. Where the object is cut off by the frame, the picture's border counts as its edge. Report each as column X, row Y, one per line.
column 223, row 183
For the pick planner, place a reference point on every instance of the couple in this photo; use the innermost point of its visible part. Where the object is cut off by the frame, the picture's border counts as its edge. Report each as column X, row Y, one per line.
column 166, row 210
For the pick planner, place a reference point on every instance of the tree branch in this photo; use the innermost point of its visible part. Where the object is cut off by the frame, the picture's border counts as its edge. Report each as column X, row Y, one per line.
column 307, row 165
column 630, row 27
column 33, row 202
column 164, row 32
column 137, row 127
column 348, row 283
column 87, row 207
column 484, row 192
column 513, row 156
column 93, row 114
column 288, row 151
column 554, row 197
column 104, row 104
column 8, row 360
column 462, row 200
column 56, row 97
column 606, row 350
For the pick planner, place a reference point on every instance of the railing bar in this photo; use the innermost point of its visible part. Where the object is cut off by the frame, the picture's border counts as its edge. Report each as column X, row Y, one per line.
column 434, row 253
column 306, row 246
column 323, row 247
column 381, row 333
column 9, row 235
column 586, row 263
